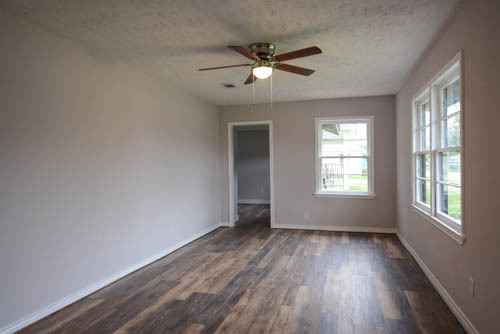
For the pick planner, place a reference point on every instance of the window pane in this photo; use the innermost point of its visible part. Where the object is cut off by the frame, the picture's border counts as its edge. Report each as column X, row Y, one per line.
column 449, row 199
column 349, row 139
column 347, row 148
column 449, row 167
column 344, row 174
column 425, row 114
column 424, row 192
column 425, row 137
column 340, row 131
column 451, row 99
column 424, row 166
column 450, row 131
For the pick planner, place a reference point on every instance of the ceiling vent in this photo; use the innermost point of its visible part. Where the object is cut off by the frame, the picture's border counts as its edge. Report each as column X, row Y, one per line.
column 228, row 85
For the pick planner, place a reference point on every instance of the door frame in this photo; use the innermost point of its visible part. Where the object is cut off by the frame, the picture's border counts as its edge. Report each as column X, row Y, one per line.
column 230, row 165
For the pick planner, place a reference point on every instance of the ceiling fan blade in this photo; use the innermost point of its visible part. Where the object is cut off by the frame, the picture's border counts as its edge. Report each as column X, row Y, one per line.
column 250, row 80
column 295, row 69
column 244, row 51
column 313, row 50
column 219, row 67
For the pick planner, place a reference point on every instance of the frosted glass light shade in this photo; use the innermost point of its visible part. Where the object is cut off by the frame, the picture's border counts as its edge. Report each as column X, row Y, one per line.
column 262, row 72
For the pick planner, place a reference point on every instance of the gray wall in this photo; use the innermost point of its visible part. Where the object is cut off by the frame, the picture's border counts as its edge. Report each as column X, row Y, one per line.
column 101, row 167
column 476, row 31
column 294, row 161
column 252, row 165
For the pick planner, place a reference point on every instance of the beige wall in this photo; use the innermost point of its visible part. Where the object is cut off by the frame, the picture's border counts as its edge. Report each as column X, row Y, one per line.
column 101, row 167
column 476, row 31
column 294, row 162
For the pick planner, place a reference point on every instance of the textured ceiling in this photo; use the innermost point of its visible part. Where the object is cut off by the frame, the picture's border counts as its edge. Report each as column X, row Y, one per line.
column 368, row 45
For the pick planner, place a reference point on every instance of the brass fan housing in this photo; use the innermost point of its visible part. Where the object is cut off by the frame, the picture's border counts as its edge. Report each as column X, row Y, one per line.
column 263, row 50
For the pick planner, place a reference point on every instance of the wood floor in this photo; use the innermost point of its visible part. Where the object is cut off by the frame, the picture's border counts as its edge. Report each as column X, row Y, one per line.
column 251, row 279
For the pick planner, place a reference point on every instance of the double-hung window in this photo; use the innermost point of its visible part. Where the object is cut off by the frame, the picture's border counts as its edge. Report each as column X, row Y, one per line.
column 437, row 150
column 344, row 156
column 422, row 152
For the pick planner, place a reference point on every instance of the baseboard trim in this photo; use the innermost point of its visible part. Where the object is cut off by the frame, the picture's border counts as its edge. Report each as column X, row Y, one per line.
column 253, row 201
column 462, row 318
column 61, row 303
column 337, row 228
column 224, row 224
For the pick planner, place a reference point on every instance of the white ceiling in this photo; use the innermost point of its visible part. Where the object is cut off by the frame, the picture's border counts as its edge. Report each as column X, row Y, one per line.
column 368, row 46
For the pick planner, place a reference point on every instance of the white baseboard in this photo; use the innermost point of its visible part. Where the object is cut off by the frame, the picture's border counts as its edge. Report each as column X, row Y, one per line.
column 61, row 303
column 337, row 228
column 253, row 201
column 224, row 224
column 462, row 318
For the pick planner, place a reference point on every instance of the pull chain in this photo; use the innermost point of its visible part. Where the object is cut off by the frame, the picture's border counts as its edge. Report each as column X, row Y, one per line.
column 253, row 89
column 272, row 87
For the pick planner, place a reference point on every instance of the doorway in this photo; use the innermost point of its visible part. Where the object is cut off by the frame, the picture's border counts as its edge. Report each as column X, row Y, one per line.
column 250, row 163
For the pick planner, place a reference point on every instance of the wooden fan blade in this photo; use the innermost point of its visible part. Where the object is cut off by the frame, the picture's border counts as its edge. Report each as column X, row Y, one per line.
column 219, row 67
column 244, row 51
column 295, row 69
column 313, row 50
column 250, row 80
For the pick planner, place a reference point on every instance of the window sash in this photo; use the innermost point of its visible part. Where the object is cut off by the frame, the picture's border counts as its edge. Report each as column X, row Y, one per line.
column 368, row 156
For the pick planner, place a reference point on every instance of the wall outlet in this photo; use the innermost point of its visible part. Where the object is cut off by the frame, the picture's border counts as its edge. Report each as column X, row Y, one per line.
column 471, row 286
column 307, row 215
column 261, row 190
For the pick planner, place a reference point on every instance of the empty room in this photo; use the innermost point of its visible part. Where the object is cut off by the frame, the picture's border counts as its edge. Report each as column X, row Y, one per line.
column 213, row 166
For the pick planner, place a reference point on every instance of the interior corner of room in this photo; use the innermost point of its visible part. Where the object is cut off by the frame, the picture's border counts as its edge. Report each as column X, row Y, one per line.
column 199, row 167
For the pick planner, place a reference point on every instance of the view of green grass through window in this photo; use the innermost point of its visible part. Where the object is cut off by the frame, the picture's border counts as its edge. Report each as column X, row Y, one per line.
column 449, row 169
column 424, row 179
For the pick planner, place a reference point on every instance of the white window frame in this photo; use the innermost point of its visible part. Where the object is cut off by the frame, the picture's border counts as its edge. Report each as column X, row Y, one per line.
column 369, row 120
column 421, row 99
column 432, row 92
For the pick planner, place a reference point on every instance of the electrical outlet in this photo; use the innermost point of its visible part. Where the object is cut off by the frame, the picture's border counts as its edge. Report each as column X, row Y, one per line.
column 471, row 286
column 261, row 190
column 307, row 215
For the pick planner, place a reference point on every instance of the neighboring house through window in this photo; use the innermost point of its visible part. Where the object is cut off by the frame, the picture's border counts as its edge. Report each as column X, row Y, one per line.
column 344, row 156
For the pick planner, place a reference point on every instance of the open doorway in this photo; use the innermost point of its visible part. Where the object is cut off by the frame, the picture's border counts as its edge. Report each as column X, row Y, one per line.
column 250, row 173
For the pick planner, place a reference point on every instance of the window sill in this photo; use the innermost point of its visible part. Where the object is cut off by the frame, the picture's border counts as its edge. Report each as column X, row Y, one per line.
column 338, row 195
column 460, row 238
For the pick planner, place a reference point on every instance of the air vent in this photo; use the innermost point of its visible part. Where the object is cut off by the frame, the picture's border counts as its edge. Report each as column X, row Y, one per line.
column 228, row 85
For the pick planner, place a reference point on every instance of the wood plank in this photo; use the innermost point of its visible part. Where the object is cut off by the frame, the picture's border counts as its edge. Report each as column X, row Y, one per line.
column 432, row 314
column 251, row 279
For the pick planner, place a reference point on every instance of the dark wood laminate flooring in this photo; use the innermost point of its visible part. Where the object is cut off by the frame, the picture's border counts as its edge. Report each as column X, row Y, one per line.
column 251, row 279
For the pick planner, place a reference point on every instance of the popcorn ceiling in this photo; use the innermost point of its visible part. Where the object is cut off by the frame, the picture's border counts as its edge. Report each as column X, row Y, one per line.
column 368, row 46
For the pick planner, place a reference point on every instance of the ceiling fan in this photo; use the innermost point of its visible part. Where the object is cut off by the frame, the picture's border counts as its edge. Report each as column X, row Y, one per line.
column 265, row 61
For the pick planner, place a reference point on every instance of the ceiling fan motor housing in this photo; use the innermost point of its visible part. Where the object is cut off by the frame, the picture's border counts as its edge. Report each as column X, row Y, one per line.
column 263, row 50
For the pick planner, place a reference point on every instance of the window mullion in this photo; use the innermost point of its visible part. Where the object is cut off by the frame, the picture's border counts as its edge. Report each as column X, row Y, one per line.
column 449, row 184
column 434, row 144
column 449, row 149
column 344, row 156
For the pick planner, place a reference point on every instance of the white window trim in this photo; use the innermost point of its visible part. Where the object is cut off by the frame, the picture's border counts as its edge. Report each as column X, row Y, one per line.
column 422, row 98
column 370, row 194
column 443, row 77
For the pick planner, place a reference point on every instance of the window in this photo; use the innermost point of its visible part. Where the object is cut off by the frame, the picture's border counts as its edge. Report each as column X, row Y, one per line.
column 344, row 156
column 437, row 150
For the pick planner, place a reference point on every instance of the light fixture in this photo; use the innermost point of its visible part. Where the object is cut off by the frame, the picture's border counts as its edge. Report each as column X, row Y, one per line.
column 262, row 72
